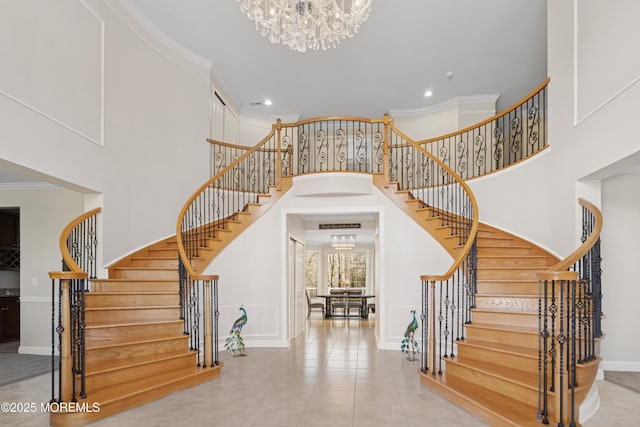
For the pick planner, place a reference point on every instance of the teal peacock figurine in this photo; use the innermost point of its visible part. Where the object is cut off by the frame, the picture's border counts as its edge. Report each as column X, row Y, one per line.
column 409, row 345
column 234, row 343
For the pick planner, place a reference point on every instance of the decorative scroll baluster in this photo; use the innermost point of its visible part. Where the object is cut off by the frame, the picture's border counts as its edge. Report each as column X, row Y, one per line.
column 69, row 328
column 558, row 317
column 79, row 246
column 514, row 134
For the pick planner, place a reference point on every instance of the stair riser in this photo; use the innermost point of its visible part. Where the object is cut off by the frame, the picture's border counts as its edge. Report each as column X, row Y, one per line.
column 72, row 419
column 511, row 261
column 122, row 352
column 504, row 273
column 134, row 286
column 155, row 263
column 131, row 300
column 113, row 377
column 113, row 334
column 506, row 303
column 109, row 317
column 521, row 339
column 520, row 362
column 168, row 252
column 503, row 251
column 511, row 319
column 516, row 288
column 143, row 274
column 526, row 394
column 492, row 241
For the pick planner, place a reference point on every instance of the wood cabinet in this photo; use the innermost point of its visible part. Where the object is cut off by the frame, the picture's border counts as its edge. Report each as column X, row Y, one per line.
column 9, row 318
column 9, row 229
column 9, row 239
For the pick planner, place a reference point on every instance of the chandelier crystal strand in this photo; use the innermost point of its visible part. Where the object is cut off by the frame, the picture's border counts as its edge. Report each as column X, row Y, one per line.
column 307, row 24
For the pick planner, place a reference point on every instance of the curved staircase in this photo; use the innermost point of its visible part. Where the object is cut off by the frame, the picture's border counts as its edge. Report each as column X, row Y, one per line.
column 494, row 371
column 136, row 345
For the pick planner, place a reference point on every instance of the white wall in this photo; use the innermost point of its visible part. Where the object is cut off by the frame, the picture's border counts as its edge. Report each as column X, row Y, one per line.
column 593, row 132
column 406, row 252
column 89, row 98
column 445, row 118
column 621, row 291
column 43, row 215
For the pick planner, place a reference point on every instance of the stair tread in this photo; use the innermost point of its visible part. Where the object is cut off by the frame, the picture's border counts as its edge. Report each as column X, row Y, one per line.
column 135, row 307
column 495, row 238
column 512, row 256
column 498, row 404
column 505, row 348
column 505, row 310
column 146, row 268
column 113, row 365
column 123, row 343
column 118, row 325
column 527, row 379
column 509, row 295
column 131, row 388
column 112, row 293
column 481, row 246
column 135, row 280
column 502, row 327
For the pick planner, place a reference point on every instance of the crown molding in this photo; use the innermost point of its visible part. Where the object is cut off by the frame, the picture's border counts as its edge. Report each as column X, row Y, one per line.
column 27, row 186
column 159, row 42
column 451, row 103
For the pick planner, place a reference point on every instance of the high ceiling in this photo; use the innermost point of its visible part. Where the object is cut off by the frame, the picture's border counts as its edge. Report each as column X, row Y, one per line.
column 405, row 48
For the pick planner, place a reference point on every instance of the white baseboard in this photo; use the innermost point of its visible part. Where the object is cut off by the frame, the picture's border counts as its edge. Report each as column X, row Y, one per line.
column 38, row 350
column 591, row 403
column 620, row 365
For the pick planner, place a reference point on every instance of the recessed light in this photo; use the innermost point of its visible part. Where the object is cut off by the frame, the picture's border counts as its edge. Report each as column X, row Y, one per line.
column 449, row 74
column 267, row 102
column 428, row 93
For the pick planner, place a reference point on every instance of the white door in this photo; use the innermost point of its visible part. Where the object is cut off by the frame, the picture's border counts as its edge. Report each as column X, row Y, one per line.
column 291, row 290
column 296, row 289
column 301, row 303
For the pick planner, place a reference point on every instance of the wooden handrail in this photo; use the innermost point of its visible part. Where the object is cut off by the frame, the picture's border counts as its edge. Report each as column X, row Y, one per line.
column 181, row 250
column 490, row 119
column 66, row 256
column 474, row 227
column 586, row 246
column 227, row 144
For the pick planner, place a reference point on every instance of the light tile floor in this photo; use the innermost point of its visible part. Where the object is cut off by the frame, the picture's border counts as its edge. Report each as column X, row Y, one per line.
column 332, row 376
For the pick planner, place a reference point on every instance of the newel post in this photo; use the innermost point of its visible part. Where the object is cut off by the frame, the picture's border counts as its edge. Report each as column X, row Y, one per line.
column 210, row 311
column 64, row 331
column 279, row 155
column 385, row 150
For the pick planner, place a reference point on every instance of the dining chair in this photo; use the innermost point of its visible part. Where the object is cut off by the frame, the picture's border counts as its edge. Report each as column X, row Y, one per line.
column 312, row 305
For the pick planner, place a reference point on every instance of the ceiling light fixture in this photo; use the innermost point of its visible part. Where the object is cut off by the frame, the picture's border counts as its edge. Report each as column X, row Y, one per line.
column 428, row 93
column 267, row 102
column 307, row 24
column 343, row 242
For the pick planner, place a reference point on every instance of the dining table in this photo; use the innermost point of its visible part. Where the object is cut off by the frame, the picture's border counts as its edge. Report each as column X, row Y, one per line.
column 364, row 311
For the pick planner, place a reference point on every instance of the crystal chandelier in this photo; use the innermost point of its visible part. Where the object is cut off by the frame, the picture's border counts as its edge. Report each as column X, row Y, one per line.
column 307, row 24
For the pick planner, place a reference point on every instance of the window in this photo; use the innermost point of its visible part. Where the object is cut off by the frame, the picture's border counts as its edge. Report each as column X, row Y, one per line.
column 311, row 273
column 347, row 269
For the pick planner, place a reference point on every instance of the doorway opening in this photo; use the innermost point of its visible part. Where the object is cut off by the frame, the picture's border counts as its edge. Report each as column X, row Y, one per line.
column 9, row 280
column 326, row 268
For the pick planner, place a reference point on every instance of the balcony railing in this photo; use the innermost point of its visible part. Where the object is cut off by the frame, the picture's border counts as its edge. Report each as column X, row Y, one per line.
column 500, row 141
